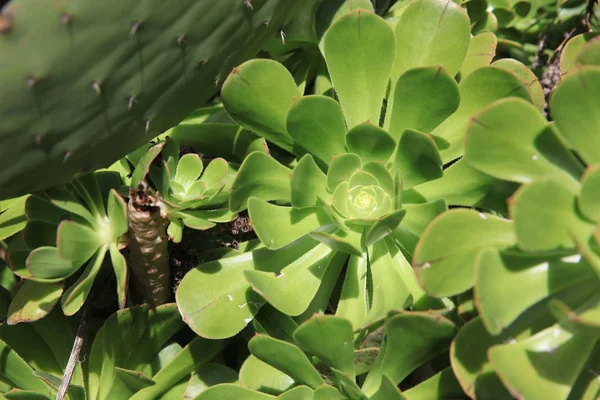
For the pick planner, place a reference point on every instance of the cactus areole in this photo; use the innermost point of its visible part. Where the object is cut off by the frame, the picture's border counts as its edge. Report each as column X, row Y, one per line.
column 84, row 83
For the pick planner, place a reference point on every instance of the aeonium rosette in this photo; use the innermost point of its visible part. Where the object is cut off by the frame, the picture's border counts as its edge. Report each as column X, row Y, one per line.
column 360, row 187
column 187, row 192
column 362, row 199
column 356, row 203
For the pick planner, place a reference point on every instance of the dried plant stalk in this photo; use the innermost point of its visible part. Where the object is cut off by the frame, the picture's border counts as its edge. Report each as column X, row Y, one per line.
column 148, row 248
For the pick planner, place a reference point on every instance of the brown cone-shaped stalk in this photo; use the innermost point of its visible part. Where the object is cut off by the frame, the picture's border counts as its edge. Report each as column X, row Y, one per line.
column 148, row 248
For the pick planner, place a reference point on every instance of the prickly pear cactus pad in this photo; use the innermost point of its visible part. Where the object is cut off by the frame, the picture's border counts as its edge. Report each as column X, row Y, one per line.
column 83, row 83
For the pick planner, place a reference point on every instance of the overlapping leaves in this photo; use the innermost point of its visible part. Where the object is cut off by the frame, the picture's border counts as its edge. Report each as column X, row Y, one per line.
column 131, row 357
column 69, row 227
column 535, row 277
column 188, row 193
column 354, row 194
column 321, row 359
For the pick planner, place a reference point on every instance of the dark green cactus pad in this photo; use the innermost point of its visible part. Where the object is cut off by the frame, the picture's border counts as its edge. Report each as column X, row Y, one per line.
column 82, row 83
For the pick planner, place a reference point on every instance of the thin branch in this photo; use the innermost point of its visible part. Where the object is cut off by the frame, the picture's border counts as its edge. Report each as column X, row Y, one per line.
column 73, row 358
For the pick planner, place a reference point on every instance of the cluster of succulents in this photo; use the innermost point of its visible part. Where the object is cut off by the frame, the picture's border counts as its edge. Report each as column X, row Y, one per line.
column 419, row 214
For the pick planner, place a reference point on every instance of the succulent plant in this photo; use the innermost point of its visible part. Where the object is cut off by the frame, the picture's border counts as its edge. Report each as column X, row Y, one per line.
column 67, row 228
column 356, row 192
column 185, row 194
column 190, row 194
column 322, row 358
column 535, row 276
column 132, row 356
column 12, row 216
column 133, row 71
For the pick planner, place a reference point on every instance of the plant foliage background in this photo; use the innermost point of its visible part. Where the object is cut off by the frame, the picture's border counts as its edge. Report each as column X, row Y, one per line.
column 324, row 199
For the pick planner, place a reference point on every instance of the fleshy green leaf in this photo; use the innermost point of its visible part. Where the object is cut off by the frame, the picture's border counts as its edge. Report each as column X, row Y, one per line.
column 258, row 95
column 292, row 289
column 464, row 185
column 431, row 32
column 287, row 358
column 278, row 226
column 38, row 234
column 230, row 391
column 583, row 320
column 12, row 216
column 528, row 78
column 46, row 263
column 423, row 98
column 590, row 193
column 132, row 337
column 589, row 54
column 121, row 273
column 215, row 173
column 542, row 358
column 188, row 170
column 389, row 291
column 198, row 219
column 274, row 323
column 143, row 165
column 547, row 206
column 353, row 304
column 76, row 242
column 388, row 390
column 411, row 340
column 420, row 300
column 33, row 301
column 317, row 123
column 87, row 187
column 327, row 392
column 251, row 181
column 347, row 385
column 117, row 215
column 193, row 219
column 127, row 382
column 479, row 89
column 446, row 256
column 469, row 358
column 523, row 278
column 215, row 299
column 482, row 49
column 66, row 201
column 74, row 297
column 370, row 142
column 321, row 299
column 196, row 354
column 361, row 178
column 258, row 375
column 568, row 57
column 341, row 169
column 417, row 159
column 329, row 338
column 383, row 227
column 357, row 44
column 19, row 373
column 350, row 241
column 175, row 230
column 308, row 183
column 572, row 103
column 511, row 140
column 39, row 209
column 383, row 176
column 442, row 385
